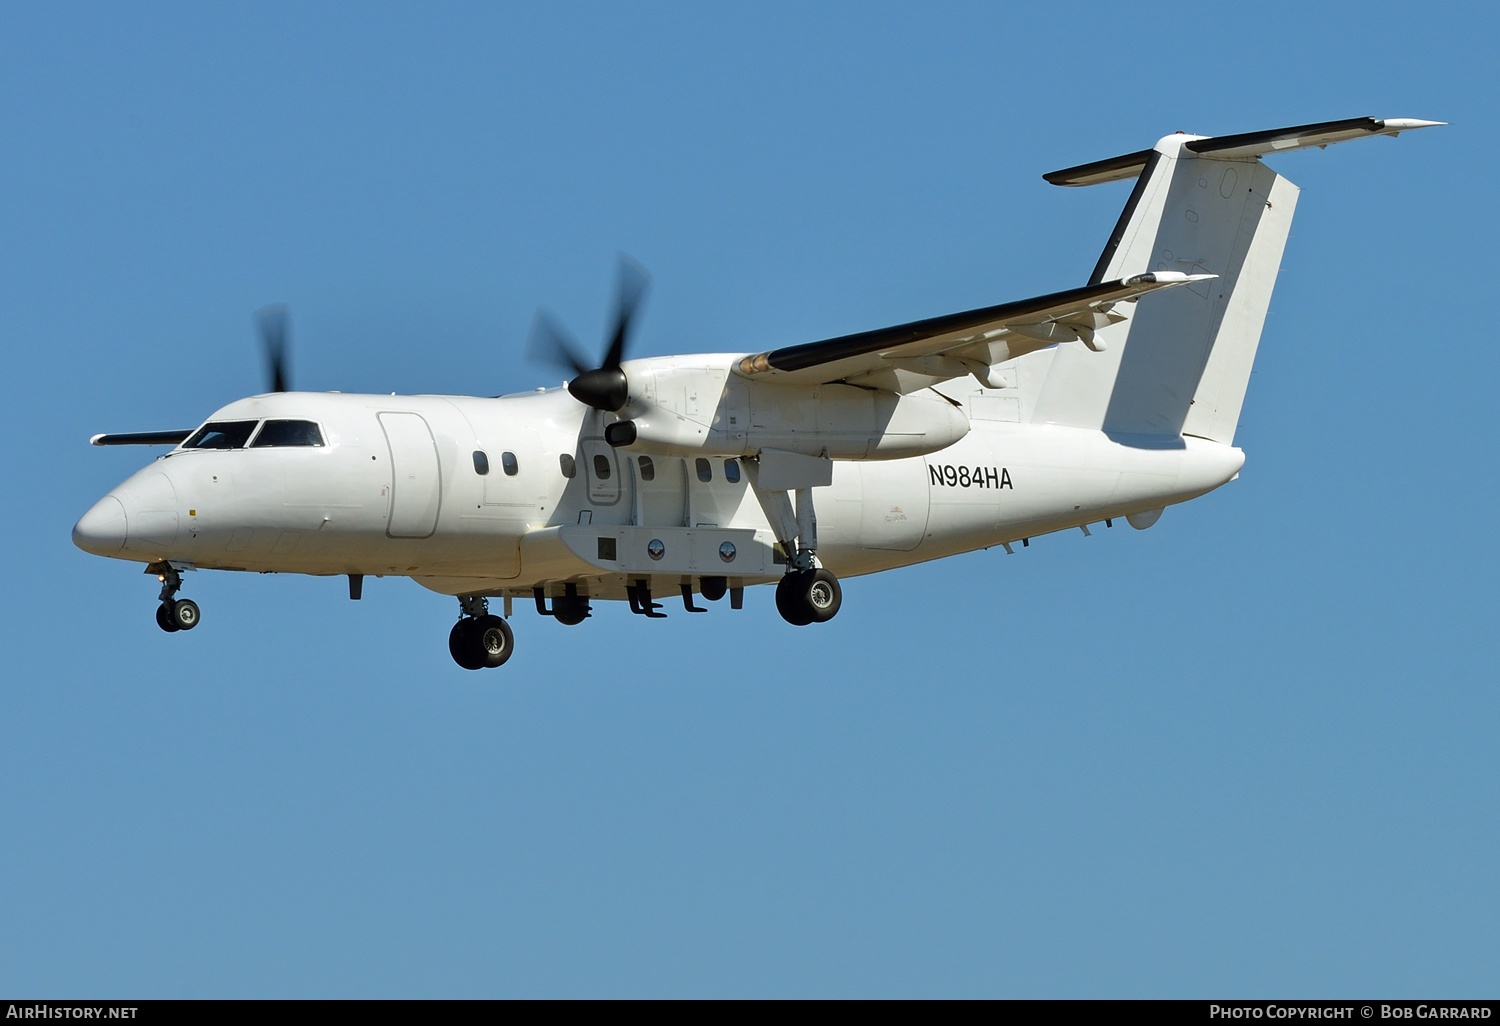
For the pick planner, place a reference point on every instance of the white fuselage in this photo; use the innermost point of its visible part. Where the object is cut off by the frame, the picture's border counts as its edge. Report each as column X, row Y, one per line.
column 396, row 490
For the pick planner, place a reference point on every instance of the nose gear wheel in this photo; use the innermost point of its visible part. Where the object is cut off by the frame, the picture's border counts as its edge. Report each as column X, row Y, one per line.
column 173, row 614
column 184, row 614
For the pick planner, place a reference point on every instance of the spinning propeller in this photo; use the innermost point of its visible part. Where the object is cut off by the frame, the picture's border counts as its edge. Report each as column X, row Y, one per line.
column 604, row 387
column 273, row 336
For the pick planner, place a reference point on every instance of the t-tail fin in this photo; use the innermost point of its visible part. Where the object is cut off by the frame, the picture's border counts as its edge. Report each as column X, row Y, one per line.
column 1180, row 363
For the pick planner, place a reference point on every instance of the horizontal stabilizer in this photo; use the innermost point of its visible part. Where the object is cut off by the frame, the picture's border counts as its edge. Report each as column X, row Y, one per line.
column 1241, row 147
column 1258, row 144
column 1115, row 169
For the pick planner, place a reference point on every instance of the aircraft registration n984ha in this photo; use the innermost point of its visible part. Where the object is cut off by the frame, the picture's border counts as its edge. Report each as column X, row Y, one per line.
column 697, row 476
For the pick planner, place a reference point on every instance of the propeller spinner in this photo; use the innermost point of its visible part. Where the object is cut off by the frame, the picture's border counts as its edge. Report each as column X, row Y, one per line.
column 604, row 387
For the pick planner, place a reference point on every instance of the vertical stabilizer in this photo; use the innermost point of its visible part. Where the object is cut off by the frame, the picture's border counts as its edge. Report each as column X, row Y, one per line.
column 1201, row 205
column 1189, row 347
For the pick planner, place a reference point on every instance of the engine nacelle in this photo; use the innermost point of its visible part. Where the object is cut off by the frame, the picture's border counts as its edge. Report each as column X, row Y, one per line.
column 678, row 409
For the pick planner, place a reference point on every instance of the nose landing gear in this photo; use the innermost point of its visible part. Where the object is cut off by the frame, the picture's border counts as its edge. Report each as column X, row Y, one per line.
column 480, row 640
column 173, row 614
column 181, row 615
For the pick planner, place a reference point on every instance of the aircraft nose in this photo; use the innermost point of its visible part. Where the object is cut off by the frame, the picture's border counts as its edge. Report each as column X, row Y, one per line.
column 102, row 529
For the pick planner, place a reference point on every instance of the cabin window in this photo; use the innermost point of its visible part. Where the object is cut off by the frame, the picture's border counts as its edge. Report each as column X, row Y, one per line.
column 508, row 464
column 285, row 433
column 569, row 466
column 648, row 469
column 601, row 466
column 227, row 434
column 481, row 463
column 732, row 471
column 705, row 469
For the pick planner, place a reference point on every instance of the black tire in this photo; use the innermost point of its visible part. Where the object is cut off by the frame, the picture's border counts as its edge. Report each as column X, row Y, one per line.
column 808, row 596
column 823, row 596
column 791, row 598
column 492, row 641
column 464, row 651
column 164, row 619
column 185, row 614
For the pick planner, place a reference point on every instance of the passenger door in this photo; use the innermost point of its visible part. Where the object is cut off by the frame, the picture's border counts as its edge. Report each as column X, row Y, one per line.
column 416, row 482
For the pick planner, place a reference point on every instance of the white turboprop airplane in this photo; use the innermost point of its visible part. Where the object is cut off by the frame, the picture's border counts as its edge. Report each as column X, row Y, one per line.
column 698, row 475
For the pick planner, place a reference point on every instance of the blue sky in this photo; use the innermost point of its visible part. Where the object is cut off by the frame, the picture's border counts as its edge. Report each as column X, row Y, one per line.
column 1250, row 752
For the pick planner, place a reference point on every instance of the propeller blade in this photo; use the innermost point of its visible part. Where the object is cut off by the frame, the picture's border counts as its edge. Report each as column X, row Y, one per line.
column 549, row 342
column 631, row 281
column 273, row 335
column 605, row 387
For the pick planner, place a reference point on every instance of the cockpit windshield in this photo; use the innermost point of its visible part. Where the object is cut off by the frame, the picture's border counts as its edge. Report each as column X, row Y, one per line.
column 226, row 434
column 288, row 432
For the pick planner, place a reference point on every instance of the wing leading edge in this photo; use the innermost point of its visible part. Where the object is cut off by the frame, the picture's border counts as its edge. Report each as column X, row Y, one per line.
column 911, row 356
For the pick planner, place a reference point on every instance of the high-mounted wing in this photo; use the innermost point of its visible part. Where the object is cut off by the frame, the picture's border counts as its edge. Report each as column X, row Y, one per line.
column 912, row 356
column 142, row 438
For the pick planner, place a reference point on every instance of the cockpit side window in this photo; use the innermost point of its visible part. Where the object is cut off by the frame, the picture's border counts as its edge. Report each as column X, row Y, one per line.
column 282, row 433
column 225, row 434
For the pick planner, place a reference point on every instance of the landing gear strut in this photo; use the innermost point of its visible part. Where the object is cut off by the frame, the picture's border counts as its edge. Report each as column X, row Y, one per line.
column 480, row 639
column 173, row 614
column 807, row 593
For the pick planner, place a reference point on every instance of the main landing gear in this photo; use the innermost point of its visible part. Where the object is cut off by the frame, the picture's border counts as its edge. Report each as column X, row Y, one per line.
column 807, row 593
column 173, row 614
column 480, row 640
column 808, row 596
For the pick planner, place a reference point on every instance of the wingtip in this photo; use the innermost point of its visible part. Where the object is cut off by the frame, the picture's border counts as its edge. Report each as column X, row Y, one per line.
column 97, row 439
column 1394, row 125
column 1164, row 278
